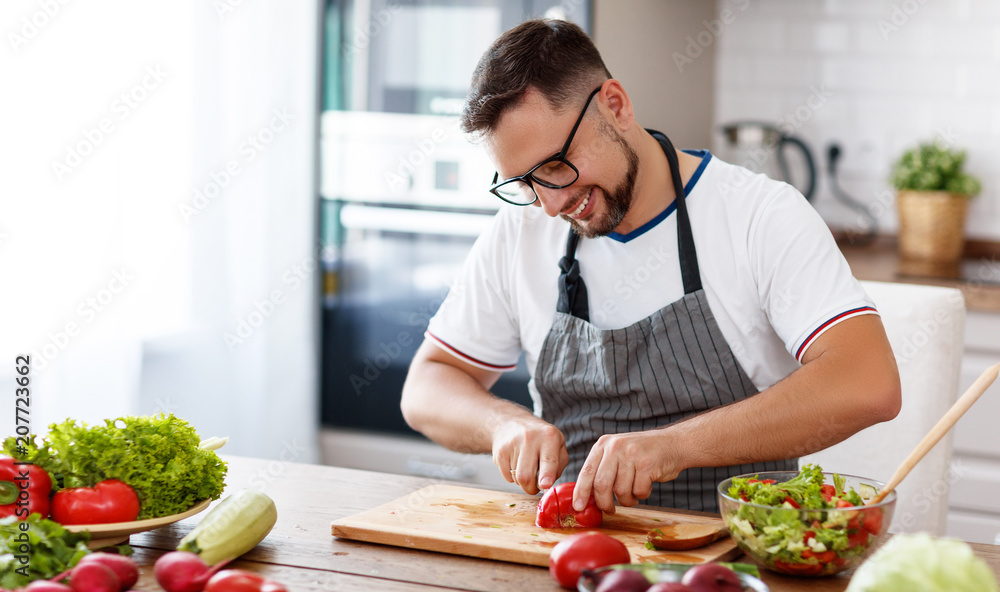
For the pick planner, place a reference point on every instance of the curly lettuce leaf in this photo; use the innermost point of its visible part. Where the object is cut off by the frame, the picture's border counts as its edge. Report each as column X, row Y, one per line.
column 157, row 455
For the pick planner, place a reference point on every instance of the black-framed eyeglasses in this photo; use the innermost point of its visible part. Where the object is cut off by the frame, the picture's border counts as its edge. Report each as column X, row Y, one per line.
column 555, row 172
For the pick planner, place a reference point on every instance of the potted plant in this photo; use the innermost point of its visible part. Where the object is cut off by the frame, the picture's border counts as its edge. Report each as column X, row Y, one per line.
column 932, row 200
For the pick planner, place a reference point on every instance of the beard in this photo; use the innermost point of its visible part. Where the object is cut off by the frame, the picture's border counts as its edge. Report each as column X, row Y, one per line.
column 617, row 201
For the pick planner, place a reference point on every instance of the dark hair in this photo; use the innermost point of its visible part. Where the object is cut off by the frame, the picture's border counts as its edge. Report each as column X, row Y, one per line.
column 553, row 56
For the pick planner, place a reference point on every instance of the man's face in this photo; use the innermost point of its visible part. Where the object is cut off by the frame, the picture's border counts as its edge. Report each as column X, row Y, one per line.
column 532, row 131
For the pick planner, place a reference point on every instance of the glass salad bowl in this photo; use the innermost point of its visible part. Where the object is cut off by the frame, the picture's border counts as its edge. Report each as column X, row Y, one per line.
column 781, row 535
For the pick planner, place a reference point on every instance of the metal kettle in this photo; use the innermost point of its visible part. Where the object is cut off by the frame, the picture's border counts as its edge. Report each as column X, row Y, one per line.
column 761, row 148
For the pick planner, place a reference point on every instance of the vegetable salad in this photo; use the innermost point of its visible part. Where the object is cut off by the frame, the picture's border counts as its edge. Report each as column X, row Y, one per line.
column 818, row 534
column 158, row 456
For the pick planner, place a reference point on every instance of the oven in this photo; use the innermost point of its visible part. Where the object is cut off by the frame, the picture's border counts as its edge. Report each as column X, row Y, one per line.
column 403, row 200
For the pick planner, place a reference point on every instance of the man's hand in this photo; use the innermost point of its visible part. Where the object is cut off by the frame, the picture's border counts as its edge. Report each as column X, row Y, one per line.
column 624, row 466
column 529, row 452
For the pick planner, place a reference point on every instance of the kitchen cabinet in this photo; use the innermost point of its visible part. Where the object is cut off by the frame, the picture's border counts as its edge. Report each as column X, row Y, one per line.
column 974, row 492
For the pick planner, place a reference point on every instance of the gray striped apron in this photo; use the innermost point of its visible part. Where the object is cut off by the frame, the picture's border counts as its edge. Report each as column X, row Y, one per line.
column 670, row 365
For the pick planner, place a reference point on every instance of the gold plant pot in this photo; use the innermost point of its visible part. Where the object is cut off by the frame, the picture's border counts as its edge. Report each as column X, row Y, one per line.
column 932, row 226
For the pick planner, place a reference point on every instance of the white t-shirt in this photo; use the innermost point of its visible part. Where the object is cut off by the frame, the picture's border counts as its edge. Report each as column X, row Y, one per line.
column 770, row 268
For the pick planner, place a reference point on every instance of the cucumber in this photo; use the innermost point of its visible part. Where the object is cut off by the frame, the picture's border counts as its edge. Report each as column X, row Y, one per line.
column 232, row 528
column 866, row 491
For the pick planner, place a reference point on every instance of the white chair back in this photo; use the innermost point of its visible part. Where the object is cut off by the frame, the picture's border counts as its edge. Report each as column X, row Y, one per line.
column 926, row 328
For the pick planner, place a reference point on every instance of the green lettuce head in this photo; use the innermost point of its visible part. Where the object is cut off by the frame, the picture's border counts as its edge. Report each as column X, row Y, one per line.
column 920, row 562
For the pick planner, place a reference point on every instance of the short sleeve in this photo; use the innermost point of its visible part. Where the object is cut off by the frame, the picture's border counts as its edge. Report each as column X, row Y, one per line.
column 475, row 320
column 804, row 283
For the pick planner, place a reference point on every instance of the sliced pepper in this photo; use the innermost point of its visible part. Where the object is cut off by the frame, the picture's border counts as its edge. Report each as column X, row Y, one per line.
column 24, row 489
column 108, row 501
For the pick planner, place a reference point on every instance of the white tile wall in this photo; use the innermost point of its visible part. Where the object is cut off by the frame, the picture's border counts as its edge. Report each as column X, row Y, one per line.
column 896, row 71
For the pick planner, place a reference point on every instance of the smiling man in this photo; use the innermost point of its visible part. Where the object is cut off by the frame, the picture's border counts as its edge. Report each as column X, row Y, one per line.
column 683, row 319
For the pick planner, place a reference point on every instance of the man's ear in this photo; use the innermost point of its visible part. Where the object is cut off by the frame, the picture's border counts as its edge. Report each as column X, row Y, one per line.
column 616, row 106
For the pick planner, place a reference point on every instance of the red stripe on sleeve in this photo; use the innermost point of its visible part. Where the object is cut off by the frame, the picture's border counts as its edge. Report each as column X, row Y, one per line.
column 467, row 357
column 814, row 334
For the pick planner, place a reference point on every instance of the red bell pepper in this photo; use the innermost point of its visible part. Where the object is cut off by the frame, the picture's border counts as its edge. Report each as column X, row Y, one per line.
column 555, row 510
column 108, row 501
column 24, row 489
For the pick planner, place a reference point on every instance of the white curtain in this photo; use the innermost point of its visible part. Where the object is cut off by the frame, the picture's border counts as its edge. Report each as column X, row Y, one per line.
column 158, row 215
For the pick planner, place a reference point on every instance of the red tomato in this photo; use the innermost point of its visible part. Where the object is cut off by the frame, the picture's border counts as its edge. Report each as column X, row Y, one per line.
column 237, row 580
column 586, row 550
column 791, row 502
column 108, row 501
column 798, row 569
column 871, row 520
column 828, row 491
column 555, row 510
column 824, row 557
column 856, row 537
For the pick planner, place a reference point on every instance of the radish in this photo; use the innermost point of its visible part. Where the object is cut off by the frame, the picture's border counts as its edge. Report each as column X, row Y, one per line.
column 47, row 586
column 124, row 567
column 183, row 571
column 94, row 577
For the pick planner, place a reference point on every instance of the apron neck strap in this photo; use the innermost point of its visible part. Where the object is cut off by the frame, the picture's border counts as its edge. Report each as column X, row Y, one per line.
column 690, row 272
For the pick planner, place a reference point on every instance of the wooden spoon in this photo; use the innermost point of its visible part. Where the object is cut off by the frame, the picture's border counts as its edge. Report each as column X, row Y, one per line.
column 939, row 430
column 685, row 536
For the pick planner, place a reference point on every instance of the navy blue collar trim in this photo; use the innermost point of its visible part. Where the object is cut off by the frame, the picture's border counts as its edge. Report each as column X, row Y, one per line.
column 705, row 156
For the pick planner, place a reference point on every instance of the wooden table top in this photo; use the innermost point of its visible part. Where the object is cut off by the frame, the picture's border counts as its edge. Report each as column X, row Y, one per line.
column 301, row 553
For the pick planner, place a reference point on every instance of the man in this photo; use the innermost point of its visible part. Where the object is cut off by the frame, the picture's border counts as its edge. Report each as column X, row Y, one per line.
column 704, row 325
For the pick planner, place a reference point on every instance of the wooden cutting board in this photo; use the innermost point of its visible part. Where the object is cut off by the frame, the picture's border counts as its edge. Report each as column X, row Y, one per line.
column 500, row 525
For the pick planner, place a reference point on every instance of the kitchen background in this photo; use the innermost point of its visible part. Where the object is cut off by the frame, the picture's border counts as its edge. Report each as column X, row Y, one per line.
column 245, row 212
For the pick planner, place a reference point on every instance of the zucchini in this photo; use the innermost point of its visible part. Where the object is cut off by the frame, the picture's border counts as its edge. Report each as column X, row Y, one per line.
column 232, row 528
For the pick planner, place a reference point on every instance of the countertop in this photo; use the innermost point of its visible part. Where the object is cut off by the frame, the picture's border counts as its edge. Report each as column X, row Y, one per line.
column 301, row 553
column 977, row 276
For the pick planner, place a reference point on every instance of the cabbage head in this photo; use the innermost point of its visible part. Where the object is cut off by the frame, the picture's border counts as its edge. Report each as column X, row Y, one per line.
column 922, row 563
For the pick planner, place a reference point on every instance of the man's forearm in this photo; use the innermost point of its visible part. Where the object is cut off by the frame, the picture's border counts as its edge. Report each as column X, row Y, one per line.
column 453, row 407
column 849, row 383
